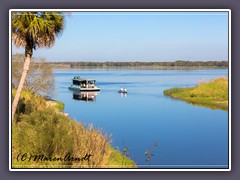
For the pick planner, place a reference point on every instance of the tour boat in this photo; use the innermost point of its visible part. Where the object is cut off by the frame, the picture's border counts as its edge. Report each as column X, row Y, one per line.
column 83, row 84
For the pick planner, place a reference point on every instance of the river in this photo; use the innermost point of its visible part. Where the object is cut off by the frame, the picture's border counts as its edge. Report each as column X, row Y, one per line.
column 158, row 131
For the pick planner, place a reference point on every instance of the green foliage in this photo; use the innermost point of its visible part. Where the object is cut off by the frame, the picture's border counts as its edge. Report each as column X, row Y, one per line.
column 213, row 93
column 36, row 29
column 173, row 90
column 118, row 160
column 42, row 130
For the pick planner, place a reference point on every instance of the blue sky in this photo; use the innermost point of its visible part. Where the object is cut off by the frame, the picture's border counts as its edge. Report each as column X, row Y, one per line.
column 140, row 36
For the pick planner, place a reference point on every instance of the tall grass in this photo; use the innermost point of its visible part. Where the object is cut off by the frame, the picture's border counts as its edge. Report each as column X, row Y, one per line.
column 173, row 90
column 41, row 130
column 214, row 92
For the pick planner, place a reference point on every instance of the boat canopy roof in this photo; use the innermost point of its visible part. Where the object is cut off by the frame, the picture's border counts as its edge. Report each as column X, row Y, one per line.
column 77, row 78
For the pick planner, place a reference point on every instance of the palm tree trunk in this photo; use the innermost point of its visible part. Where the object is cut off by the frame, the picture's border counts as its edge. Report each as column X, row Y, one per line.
column 20, row 85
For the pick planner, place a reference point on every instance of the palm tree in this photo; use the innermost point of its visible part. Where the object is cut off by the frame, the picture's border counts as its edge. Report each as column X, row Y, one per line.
column 33, row 30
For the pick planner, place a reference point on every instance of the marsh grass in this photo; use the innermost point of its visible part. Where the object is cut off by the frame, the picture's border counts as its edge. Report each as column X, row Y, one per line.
column 41, row 130
column 213, row 93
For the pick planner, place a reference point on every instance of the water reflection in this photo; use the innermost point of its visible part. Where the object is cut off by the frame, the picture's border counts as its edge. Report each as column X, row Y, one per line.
column 206, row 105
column 123, row 94
column 85, row 96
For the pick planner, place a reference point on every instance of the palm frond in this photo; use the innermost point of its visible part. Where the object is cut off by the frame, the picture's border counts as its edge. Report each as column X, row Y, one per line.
column 38, row 29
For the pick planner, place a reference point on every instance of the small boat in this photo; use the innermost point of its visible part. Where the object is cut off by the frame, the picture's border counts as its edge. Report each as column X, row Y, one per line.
column 83, row 84
column 122, row 90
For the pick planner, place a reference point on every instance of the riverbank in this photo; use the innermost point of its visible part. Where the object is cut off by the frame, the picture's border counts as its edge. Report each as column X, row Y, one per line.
column 142, row 65
column 53, row 140
column 213, row 94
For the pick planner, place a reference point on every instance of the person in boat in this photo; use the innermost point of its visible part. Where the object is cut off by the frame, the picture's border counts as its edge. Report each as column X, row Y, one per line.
column 125, row 90
column 121, row 89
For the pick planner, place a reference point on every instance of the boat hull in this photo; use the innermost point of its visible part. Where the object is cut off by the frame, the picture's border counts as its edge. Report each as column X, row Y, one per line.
column 124, row 92
column 84, row 89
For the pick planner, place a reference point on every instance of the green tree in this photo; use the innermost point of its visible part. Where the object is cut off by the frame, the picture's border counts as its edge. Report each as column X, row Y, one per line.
column 33, row 30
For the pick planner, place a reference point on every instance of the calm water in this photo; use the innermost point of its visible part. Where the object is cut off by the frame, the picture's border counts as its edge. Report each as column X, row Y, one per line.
column 178, row 134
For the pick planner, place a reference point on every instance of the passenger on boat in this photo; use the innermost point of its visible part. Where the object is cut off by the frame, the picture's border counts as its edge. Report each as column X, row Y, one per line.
column 121, row 89
column 125, row 90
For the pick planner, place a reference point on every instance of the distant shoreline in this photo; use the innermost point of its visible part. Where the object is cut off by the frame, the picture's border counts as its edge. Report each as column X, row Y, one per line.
column 145, row 65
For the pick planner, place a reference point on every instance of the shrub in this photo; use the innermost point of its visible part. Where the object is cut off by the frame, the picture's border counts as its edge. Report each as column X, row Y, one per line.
column 41, row 130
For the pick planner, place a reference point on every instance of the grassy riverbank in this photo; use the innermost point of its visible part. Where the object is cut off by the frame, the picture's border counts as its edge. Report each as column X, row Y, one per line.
column 53, row 140
column 213, row 94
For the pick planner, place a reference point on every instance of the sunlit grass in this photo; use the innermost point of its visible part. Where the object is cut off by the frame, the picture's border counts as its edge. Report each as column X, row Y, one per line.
column 42, row 130
column 214, row 92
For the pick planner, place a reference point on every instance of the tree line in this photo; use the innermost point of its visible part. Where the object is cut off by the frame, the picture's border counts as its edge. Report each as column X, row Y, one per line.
column 179, row 63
